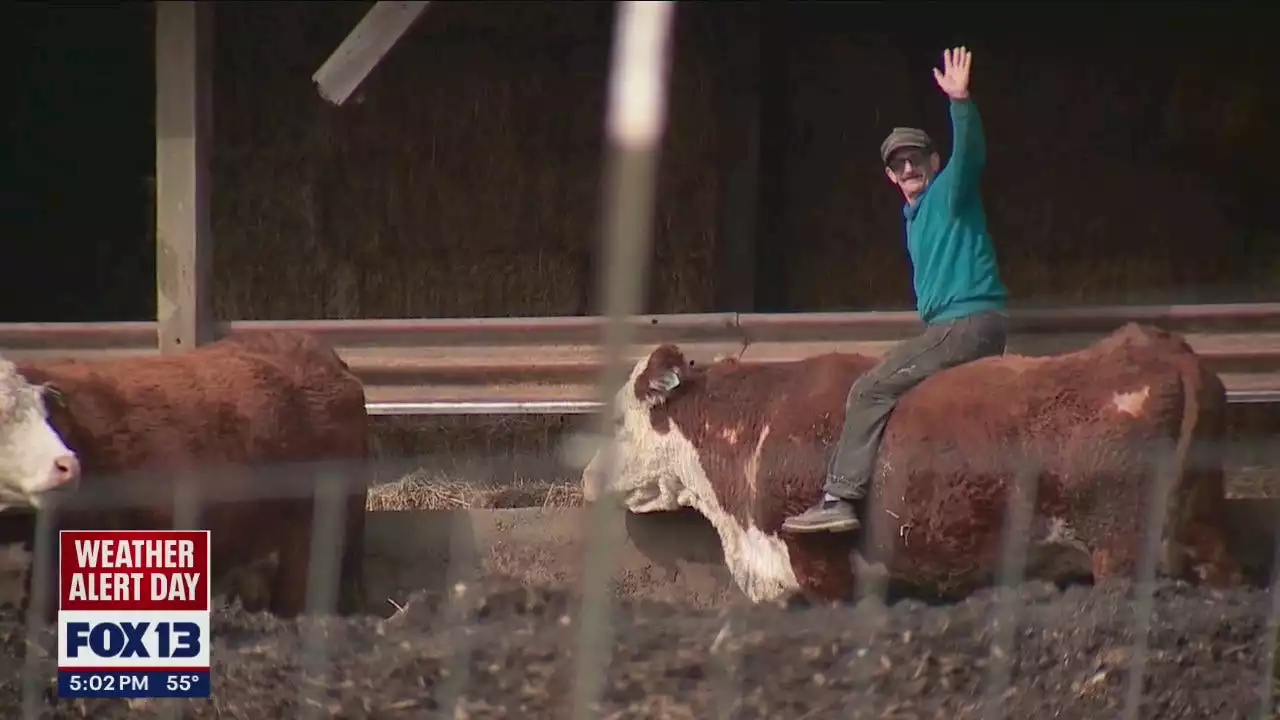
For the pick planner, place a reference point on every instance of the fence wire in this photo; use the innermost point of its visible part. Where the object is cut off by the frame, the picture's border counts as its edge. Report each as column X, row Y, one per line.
column 461, row 548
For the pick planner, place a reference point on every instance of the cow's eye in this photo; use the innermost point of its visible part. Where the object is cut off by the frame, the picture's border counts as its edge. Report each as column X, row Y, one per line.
column 52, row 396
column 618, row 422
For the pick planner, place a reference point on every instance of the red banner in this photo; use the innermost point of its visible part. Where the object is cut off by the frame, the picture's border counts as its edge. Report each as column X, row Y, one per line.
column 156, row 570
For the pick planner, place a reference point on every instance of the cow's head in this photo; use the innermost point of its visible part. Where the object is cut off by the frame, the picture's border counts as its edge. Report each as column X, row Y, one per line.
column 33, row 458
column 652, row 462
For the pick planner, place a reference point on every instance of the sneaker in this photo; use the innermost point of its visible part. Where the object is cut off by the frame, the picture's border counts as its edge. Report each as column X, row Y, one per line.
column 829, row 515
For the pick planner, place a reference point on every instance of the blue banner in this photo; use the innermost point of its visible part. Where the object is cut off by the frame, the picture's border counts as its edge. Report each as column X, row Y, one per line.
column 126, row 683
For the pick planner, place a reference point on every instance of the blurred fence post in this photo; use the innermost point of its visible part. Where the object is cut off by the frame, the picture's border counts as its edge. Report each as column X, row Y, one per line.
column 186, row 501
column 329, row 501
column 1162, row 473
column 1270, row 657
column 43, row 556
column 635, row 120
column 1015, row 544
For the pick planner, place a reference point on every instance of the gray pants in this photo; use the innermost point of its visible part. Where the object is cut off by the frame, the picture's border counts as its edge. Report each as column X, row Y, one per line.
column 875, row 394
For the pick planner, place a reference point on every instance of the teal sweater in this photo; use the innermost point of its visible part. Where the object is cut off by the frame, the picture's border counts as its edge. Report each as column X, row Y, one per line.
column 954, row 262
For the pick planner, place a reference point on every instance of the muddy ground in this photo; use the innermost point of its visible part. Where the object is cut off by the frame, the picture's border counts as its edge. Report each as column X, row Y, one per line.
column 1073, row 658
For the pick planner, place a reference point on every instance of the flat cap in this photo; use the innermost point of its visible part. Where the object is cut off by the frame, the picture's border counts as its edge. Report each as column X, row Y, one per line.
column 903, row 137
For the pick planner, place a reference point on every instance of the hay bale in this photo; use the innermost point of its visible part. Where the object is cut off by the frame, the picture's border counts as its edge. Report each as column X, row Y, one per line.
column 464, row 182
column 441, row 491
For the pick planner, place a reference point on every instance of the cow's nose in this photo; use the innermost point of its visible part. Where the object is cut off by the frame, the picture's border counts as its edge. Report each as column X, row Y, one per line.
column 66, row 468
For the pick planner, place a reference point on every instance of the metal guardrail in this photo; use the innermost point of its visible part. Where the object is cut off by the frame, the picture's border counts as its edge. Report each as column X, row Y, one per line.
column 551, row 365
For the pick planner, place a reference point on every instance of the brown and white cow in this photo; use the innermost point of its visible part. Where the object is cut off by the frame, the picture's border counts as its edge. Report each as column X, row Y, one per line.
column 33, row 458
column 747, row 446
column 238, row 419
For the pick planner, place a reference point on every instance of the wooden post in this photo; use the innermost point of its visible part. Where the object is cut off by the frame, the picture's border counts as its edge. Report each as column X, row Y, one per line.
column 184, row 115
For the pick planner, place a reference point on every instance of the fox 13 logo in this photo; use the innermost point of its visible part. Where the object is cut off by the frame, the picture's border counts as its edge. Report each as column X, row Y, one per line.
column 133, row 614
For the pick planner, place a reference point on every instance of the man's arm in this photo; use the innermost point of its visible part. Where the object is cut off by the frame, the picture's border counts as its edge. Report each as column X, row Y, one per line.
column 968, row 147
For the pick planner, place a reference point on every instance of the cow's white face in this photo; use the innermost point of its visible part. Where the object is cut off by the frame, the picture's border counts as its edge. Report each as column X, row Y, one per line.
column 33, row 458
column 658, row 471
column 650, row 465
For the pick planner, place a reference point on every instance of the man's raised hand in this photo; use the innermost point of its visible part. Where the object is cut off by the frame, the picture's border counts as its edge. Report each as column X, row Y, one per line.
column 954, row 76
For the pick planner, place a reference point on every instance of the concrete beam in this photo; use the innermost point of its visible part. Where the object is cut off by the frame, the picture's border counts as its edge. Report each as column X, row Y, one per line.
column 362, row 50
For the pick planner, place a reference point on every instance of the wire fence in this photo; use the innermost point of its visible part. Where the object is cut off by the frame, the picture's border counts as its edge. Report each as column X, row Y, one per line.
column 724, row 676
column 447, row 553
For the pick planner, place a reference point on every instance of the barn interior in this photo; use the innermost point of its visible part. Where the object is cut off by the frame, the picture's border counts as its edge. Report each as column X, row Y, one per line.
column 1127, row 164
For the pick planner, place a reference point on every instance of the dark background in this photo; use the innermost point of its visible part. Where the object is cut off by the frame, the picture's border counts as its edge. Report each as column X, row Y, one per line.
column 1132, row 157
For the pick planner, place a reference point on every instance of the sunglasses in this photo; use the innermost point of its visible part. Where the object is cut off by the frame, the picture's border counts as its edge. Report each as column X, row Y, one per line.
column 898, row 161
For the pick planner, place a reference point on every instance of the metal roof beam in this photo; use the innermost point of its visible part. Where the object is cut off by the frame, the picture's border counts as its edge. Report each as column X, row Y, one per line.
column 362, row 50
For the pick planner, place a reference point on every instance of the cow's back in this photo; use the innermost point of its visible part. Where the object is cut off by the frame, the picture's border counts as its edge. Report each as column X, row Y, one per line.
column 265, row 397
column 335, row 423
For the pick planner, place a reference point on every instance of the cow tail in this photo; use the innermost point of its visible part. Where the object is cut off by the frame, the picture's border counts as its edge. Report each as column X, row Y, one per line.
column 1195, row 502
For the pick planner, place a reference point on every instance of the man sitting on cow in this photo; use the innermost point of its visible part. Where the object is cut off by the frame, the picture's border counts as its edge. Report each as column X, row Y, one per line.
column 959, row 294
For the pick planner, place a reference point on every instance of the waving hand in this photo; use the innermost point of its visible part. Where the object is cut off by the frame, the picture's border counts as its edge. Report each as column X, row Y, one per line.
column 954, row 76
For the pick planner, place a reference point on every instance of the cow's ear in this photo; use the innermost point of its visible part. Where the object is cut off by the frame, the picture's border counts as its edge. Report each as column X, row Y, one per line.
column 665, row 371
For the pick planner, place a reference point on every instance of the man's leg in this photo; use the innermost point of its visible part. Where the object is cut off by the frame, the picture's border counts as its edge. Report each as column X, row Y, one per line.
column 874, row 396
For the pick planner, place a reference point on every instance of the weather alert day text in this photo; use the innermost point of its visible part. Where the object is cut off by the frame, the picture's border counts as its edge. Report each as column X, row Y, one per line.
column 132, row 570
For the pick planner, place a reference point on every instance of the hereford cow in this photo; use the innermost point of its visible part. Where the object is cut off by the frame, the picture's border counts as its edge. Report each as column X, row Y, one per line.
column 747, row 446
column 240, row 419
column 33, row 458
